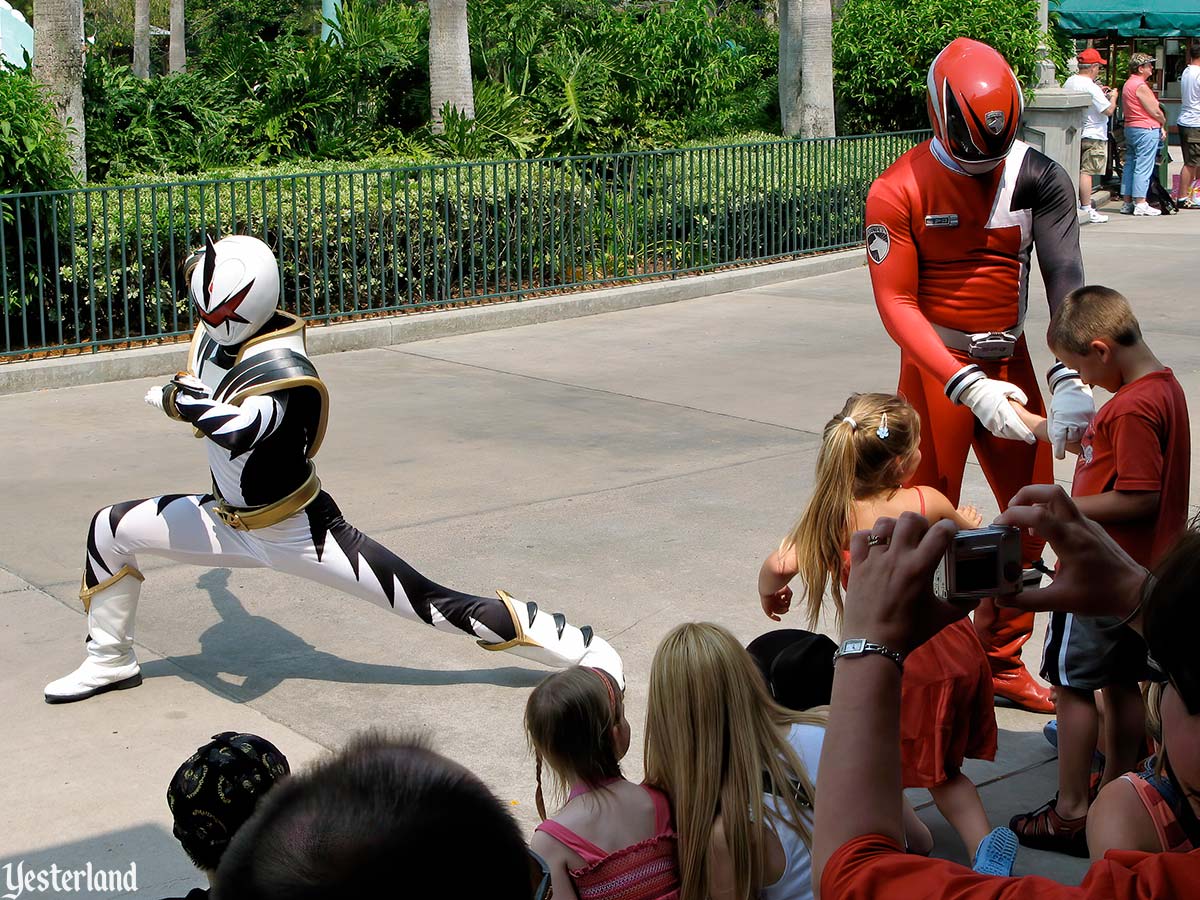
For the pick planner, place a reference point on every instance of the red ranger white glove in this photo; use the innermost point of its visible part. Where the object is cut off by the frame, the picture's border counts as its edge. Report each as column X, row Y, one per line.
column 988, row 399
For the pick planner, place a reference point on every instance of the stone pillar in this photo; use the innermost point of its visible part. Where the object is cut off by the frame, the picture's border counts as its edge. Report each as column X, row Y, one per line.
column 1053, row 122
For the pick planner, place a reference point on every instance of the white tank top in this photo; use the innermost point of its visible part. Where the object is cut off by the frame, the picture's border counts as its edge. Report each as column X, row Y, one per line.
column 796, row 881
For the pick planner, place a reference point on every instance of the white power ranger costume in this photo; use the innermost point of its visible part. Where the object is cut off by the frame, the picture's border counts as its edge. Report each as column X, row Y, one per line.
column 253, row 394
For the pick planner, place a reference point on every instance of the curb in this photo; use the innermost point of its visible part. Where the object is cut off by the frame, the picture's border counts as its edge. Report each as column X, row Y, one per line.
column 120, row 365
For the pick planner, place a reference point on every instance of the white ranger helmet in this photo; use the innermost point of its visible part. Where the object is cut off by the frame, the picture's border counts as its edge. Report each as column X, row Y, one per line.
column 235, row 287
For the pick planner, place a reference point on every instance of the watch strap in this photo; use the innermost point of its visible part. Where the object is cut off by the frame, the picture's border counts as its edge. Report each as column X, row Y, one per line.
column 862, row 647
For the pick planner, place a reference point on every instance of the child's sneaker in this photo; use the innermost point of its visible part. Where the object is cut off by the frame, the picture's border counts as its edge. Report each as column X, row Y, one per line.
column 997, row 853
column 1145, row 209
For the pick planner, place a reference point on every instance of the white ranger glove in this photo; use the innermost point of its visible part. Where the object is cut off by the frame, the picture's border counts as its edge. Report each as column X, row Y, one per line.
column 162, row 397
column 1072, row 408
column 988, row 399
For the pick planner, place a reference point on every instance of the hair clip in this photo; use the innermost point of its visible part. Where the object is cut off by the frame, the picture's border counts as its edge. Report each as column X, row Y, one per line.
column 853, row 424
column 882, row 431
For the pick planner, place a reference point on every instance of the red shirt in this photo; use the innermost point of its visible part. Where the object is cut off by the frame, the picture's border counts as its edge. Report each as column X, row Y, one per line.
column 954, row 249
column 1140, row 441
column 872, row 867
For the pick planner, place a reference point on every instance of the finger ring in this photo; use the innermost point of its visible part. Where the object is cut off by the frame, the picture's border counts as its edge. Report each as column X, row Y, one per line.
column 875, row 541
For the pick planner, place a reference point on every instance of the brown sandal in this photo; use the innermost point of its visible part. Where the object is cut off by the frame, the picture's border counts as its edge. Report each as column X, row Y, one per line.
column 1045, row 829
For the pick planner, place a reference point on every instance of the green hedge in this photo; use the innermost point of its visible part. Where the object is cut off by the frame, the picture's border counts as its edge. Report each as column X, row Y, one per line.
column 357, row 243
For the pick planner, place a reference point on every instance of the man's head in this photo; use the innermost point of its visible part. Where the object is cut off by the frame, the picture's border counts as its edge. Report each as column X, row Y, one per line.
column 1089, row 62
column 383, row 817
column 1088, row 330
column 1194, row 53
column 216, row 790
column 974, row 104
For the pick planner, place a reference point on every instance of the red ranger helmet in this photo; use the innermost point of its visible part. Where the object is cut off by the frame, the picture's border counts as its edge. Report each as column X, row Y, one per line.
column 975, row 104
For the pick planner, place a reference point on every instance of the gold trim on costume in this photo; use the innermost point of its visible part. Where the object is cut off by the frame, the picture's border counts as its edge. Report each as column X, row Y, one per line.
column 248, row 519
column 86, row 593
column 296, row 325
column 285, row 383
column 520, row 640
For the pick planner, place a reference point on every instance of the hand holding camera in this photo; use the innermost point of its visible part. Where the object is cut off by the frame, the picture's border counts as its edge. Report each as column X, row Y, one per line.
column 889, row 598
column 892, row 599
column 1095, row 576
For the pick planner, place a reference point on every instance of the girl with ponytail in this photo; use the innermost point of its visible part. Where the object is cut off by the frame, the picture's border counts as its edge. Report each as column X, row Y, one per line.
column 611, row 839
column 869, row 452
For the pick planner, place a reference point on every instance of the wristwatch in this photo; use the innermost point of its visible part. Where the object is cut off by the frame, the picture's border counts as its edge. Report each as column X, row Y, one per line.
column 861, row 647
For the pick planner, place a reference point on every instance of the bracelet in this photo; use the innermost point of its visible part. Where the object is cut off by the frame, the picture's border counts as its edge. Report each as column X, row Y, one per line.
column 861, row 647
column 1147, row 589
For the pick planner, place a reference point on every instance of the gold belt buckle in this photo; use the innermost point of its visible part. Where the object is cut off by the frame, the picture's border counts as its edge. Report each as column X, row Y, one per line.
column 230, row 517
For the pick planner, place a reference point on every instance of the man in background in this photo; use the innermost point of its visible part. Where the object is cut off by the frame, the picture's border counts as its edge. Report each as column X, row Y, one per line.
column 1093, row 152
column 1189, row 131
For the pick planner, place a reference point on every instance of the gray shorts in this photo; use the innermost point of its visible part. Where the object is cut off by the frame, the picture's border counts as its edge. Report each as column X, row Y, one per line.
column 1088, row 653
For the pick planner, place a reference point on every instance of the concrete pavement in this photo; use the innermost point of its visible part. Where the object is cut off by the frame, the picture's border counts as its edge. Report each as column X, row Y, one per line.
column 631, row 469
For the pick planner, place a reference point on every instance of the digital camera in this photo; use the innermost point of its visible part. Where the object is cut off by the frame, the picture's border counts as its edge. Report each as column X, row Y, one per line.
column 981, row 562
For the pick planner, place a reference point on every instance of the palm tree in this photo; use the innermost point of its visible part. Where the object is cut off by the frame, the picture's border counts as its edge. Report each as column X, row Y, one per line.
column 177, row 53
column 58, row 64
column 141, row 38
column 805, row 68
column 816, row 66
column 790, row 42
column 449, row 60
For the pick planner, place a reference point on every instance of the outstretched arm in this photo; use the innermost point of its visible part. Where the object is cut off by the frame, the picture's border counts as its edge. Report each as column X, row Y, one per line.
column 237, row 428
column 777, row 571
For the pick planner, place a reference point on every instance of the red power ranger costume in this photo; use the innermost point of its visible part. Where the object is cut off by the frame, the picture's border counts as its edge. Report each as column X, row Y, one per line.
column 950, row 229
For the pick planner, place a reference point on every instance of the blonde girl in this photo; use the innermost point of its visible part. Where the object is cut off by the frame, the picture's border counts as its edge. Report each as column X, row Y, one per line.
column 869, row 451
column 739, row 769
column 611, row 838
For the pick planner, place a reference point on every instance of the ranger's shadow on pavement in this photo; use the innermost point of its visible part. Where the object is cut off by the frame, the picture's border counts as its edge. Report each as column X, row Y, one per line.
column 245, row 656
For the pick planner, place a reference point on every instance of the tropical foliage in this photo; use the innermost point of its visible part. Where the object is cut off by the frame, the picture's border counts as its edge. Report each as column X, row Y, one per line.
column 33, row 143
column 551, row 77
column 882, row 50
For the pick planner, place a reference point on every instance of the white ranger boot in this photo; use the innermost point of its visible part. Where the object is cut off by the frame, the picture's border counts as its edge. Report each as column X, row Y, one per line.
column 548, row 638
column 110, row 664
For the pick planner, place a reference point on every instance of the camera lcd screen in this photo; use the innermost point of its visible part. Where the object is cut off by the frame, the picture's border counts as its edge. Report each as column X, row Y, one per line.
column 975, row 573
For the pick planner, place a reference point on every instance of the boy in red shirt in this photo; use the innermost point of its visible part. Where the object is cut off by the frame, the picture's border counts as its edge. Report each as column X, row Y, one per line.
column 1132, row 477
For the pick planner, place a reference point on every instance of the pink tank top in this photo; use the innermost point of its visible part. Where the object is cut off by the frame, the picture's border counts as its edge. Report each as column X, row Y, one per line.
column 646, row 870
column 1135, row 112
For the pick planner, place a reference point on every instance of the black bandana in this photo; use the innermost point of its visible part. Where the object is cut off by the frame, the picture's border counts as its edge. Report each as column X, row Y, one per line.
column 213, row 794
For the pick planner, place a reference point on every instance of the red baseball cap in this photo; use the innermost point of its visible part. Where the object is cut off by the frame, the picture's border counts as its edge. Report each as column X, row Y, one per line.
column 1091, row 57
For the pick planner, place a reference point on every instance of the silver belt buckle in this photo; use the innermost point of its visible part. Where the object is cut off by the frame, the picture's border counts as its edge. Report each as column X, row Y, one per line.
column 991, row 345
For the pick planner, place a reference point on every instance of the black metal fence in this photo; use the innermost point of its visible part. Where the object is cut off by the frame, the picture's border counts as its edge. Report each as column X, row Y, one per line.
column 100, row 267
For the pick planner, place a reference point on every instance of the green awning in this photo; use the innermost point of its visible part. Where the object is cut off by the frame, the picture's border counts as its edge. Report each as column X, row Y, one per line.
column 1129, row 18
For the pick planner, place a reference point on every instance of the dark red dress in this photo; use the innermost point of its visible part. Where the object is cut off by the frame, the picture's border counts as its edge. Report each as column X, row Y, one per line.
column 947, row 711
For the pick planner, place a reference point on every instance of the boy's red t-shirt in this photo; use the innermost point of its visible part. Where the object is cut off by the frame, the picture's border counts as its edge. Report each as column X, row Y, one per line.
column 1140, row 440
column 872, row 867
